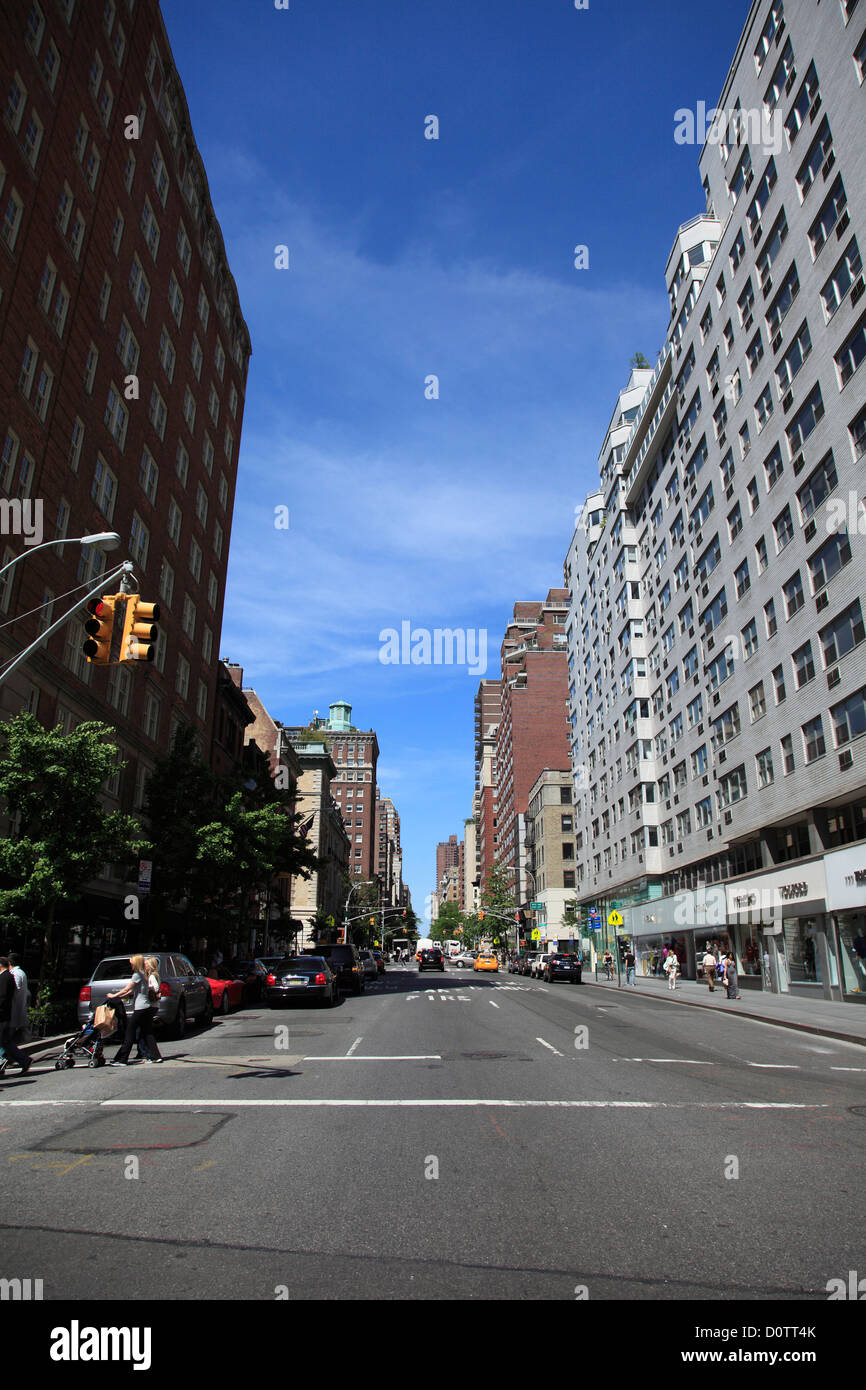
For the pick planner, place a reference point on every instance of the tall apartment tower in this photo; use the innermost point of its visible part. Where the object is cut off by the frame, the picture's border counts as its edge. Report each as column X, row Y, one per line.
column 355, row 753
column 123, row 365
column 487, row 714
column 447, row 857
column 389, row 856
column 533, row 732
column 716, row 628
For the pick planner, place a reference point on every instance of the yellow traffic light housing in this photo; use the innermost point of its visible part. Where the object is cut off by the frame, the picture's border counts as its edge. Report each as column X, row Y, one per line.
column 140, row 630
column 99, row 648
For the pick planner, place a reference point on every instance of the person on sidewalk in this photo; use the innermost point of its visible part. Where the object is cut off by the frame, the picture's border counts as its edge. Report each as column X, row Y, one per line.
column 709, row 964
column 8, row 990
column 672, row 966
column 630, row 963
column 18, row 1021
column 139, row 1016
column 730, row 977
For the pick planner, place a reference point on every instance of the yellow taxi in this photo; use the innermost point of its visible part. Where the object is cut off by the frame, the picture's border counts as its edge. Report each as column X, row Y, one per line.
column 485, row 960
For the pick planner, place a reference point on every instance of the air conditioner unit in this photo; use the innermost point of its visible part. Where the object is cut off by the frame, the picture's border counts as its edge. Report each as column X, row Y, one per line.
column 833, row 677
column 716, row 698
column 705, row 781
column 722, row 757
column 709, row 834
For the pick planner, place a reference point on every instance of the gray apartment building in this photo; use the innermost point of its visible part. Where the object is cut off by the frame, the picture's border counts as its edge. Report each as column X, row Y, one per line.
column 716, row 640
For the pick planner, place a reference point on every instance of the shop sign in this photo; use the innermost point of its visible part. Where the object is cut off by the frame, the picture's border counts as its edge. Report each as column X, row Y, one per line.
column 846, row 878
column 782, row 893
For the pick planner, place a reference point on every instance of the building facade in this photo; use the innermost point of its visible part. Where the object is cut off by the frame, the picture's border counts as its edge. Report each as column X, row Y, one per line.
column 716, row 635
column 550, row 856
column 123, row 367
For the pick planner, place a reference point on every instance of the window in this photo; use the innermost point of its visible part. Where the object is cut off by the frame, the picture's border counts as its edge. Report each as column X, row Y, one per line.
column 196, row 356
column 160, row 174
column 833, row 555
column 843, row 634
column 117, row 234
column 788, row 292
column 76, row 442
column 184, row 249
column 757, row 702
column 16, row 102
column 127, row 347
column 90, row 368
column 201, row 504
column 104, row 297
column 735, row 522
column 802, row 105
column 212, row 590
column 764, row 407
column 64, row 208
column 783, row 79
column 732, row 788
column 174, row 521
column 219, row 359
column 770, row 617
column 793, row 594
column 779, row 685
column 175, row 299
column 129, row 170
column 150, row 229
column 794, row 358
column 851, row 353
column 750, row 638
column 819, row 152
column 181, row 463
column 857, row 431
column 804, row 666
column 181, row 680
column 104, row 488
column 849, row 718
column 832, row 210
column 752, row 493
column 166, row 582
column 813, row 739
column 148, row 475
column 32, row 139
column 139, row 540
column 783, row 527
column 189, row 410
column 157, row 412
column 188, row 619
column 761, row 554
column 787, row 746
column 139, row 287
column 213, row 404
column 12, row 219
column 817, row 487
column 167, row 354
column 203, row 307
column 804, row 422
column 116, row 418
column 76, row 236
column 764, row 767
column 195, row 555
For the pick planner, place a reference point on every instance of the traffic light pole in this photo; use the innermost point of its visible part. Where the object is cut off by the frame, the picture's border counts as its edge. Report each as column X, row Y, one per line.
column 122, row 572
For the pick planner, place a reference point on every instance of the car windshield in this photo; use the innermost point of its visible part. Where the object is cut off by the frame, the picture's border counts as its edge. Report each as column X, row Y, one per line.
column 305, row 965
column 119, row 969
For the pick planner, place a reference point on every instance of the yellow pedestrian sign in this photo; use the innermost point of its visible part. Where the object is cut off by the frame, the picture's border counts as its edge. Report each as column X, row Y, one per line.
column 536, row 934
column 614, row 919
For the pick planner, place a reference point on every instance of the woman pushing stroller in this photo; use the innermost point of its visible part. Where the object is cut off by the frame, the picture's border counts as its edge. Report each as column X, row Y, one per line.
column 143, row 988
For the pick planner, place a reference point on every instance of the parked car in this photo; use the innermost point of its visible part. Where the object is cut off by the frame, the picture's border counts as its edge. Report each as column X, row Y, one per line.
column 184, row 991
column 379, row 958
column 485, row 960
column 253, row 974
column 345, row 964
column 538, row 965
column 526, row 963
column 431, row 958
column 563, row 967
column 227, row 991
column 368, row 965
column 302, row 977
column 514, row 964
column 465, row 960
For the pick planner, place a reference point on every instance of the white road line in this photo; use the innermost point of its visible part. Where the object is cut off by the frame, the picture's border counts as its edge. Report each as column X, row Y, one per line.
column 848, row 1068
column 681, row 1061
column 358, row 1057
column 233, row 1103
column 490, row 1001
column 774, row 1066
column 352, row 1048
column 548, row 1046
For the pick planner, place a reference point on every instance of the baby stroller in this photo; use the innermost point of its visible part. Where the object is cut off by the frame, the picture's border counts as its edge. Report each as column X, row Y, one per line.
column 90, row 1040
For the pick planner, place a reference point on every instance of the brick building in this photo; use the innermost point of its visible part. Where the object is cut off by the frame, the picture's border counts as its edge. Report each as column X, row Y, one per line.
column 533, row 730
column 123, row 364
column 487, row 713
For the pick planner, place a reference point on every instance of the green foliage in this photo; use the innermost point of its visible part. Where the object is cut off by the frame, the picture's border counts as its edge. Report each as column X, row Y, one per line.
column 639, row 361
column 52, row 785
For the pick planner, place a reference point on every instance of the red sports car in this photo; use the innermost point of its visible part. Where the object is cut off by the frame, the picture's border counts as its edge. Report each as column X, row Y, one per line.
column 226, row 991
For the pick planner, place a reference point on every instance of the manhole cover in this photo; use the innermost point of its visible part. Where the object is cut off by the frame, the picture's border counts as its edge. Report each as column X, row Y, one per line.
column 857, row 1110
column 485, row 1056
column 135, row 1129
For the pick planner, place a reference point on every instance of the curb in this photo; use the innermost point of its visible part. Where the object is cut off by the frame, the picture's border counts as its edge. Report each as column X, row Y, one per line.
column 818, row 1030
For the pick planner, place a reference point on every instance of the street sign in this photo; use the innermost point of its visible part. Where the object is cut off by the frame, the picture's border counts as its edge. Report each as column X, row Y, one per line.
column 614, row 919
column 330, row 919
column 536, row 907
column 536, row 934
column 145, row 868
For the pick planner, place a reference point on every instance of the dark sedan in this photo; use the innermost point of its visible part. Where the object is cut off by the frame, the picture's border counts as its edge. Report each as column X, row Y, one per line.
column 431, row 959
column 563, row 967
column 301, row 977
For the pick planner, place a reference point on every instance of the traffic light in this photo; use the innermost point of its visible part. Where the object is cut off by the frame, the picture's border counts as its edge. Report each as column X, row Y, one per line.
column 140, row 630
column 481, row 916
column 100, row 628
column 372, row 921
column 404, row 912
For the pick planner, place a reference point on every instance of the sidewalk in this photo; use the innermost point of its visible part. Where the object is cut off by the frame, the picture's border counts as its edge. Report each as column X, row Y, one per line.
column 847, row 1022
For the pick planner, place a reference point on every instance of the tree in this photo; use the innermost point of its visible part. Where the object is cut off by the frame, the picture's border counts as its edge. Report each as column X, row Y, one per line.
column 497, row 898
column 639, row 361
column 52, row 784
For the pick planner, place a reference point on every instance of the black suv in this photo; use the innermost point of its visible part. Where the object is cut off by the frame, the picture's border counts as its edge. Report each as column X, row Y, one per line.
column 346, row 965
column 563, row 967
column 431, row 958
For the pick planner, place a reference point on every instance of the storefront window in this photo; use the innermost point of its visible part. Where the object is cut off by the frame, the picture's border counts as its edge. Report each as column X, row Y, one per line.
column 748, row 951
column 851, row 927
column 804, row 960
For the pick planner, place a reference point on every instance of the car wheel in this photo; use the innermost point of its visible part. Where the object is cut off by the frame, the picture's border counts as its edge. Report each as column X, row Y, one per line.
column 224, row 1006
column 180, row 1020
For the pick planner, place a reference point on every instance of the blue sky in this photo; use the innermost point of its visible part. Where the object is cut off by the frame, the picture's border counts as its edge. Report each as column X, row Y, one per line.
column 411, row 257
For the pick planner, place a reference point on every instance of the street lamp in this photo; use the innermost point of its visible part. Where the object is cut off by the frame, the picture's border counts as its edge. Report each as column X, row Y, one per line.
column 102, row 540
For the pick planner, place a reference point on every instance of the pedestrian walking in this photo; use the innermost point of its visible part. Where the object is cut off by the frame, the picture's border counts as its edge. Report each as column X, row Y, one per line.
column 139, row 1016
column 730, row 977
column 8, row 990
column 630, row 963
column 672, row 966
column 709, row 964
column 18, row 1021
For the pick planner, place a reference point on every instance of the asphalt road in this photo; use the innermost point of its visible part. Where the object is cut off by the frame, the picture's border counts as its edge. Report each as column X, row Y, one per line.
column 444, row 1136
